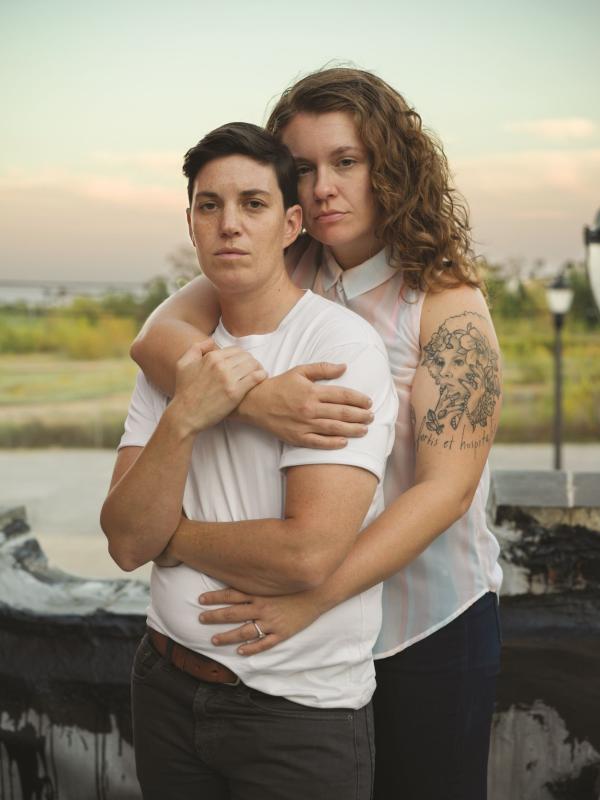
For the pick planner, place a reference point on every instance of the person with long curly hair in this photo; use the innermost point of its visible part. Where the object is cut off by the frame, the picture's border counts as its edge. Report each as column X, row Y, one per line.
column 387, row 235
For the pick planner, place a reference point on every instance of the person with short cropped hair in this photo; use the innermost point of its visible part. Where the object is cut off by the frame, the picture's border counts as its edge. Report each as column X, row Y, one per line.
column 192, row 480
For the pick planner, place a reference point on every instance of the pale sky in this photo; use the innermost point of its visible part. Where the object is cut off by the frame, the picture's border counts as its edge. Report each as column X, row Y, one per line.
column 101, row 99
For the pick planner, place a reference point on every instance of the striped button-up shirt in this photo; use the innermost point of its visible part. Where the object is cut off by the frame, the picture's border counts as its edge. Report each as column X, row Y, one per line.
column 461, row 564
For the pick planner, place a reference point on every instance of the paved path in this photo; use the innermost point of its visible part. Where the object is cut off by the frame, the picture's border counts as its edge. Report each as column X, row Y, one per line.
column 63, row 491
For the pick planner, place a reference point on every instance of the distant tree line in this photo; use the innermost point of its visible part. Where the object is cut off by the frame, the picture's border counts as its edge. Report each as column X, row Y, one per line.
column 514, row 292
column 514, row 297
column 85, row 328
column 130, row 305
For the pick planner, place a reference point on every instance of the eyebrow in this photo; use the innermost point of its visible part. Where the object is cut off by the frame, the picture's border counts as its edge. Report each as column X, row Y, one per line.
column 345, row 148
column 251, row 192
column 244, row 193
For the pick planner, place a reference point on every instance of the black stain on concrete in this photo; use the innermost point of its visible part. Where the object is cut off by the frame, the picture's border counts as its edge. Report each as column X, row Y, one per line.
column 551, row 652
column 564, row 556
column 69, row 668
column 75, row 669
column 585, row 786
column 25, row 749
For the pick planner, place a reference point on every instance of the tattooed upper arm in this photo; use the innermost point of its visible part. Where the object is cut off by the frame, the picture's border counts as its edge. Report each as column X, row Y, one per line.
column 456, row 395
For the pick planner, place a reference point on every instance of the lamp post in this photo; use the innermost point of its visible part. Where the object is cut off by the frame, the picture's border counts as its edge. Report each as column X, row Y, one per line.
column 559, row 296
column 591, row 237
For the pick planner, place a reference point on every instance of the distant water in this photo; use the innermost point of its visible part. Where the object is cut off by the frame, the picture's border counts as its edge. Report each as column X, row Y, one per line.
column 56, row 293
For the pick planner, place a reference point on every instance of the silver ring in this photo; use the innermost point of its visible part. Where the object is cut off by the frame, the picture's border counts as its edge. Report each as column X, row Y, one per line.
column 261, row 635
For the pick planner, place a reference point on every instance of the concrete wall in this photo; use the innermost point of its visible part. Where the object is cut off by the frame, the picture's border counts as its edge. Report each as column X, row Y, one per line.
column 546, row 732
column 66, row 647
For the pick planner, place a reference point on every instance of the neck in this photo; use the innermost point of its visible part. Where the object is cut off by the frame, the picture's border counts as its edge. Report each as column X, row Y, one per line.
column 357, row 252
column 261, row 309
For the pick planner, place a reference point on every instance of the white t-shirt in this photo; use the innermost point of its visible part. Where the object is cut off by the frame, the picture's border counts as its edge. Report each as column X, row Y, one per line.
column 237, row 472
column 460, row 565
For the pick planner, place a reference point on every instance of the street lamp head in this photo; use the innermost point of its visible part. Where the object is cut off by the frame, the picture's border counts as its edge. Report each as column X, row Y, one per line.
column 559, row 295
column 592, row 242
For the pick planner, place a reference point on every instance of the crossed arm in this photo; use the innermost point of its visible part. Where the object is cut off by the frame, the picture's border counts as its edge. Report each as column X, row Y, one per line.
column 324, row 509
column 456, row 409
column 293, row 406
column 142, row 513
column 142, row 516
column 455, row 412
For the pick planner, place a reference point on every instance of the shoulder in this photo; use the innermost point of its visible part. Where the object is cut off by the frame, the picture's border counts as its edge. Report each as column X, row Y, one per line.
column 145, row 393
column 146, row 407
column 453, row 305
column 337, row 325
column 145, row 387
column 456, row 298
column 460, row 310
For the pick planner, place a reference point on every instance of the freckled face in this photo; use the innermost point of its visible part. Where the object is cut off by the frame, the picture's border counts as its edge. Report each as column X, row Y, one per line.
column 334, row 184
column 238, row 224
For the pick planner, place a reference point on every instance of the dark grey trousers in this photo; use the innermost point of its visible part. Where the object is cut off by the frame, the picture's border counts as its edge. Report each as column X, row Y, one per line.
column 203, row 741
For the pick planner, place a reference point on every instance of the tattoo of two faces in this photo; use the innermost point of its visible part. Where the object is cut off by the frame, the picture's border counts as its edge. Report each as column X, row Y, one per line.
column 465, row 367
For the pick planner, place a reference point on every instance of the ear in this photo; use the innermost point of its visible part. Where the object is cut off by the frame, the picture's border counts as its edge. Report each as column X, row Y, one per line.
column 189, row 222
column 293, row 225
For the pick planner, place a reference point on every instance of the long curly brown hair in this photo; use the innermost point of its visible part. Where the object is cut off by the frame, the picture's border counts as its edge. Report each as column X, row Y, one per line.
column 423, row 220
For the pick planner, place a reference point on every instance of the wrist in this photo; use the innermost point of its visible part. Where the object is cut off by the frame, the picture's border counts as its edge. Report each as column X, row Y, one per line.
column 179, row 426
column 168, row 557
column 247, row 409
column 178, row 540
column 171, row 550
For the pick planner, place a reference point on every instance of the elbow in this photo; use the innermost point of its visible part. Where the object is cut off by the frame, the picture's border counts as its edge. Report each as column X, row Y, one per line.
column 117, row 546
column 308, row 557
column 309, row 571
column 453, row 495
column 138, row 349
column 465, row 500
column 144, row 346
column 123, row 559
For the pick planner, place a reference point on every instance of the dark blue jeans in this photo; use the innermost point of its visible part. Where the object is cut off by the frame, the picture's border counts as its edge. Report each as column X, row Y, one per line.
column 207, row 741
column 433, row 710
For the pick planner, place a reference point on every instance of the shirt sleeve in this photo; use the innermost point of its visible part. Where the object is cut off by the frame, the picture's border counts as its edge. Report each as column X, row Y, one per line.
column 145, row 410
column 367, row 371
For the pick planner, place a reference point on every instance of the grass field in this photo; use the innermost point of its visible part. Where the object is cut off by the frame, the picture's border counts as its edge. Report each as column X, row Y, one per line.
column 47, row 399
column 528, row 403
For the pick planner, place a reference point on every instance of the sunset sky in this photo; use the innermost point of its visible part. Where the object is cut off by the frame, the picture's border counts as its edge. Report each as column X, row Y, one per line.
column 101, row 99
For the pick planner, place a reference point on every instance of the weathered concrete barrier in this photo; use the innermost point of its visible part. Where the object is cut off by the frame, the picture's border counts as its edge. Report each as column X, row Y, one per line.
column 546, row 733
column 66, row 646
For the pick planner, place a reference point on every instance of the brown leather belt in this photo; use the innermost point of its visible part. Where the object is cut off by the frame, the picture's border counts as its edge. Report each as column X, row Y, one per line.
column 198, row 666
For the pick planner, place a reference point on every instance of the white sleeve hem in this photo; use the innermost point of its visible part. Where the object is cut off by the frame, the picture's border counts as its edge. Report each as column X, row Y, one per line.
column 303, row 457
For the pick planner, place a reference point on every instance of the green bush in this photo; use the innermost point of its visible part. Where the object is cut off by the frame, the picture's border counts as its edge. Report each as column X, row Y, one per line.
column 78, row 337
column 87, row 328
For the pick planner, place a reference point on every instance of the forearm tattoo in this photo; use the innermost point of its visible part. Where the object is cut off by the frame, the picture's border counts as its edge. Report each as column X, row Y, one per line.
column 465, row 367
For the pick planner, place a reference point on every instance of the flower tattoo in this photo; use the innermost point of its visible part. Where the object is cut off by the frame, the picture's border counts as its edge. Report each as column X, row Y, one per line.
column 465, row 367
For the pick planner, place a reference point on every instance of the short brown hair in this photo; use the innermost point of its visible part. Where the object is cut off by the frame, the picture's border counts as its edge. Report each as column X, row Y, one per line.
column 422, row 218
column 245, row 139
